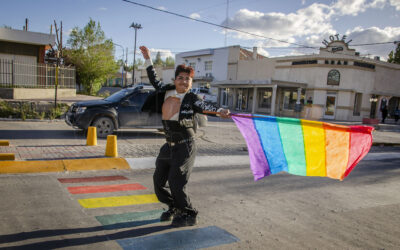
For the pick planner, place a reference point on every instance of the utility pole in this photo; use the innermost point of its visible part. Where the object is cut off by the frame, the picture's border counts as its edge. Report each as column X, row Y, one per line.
column 123, row 56
column 58, row 55
column 136, row 26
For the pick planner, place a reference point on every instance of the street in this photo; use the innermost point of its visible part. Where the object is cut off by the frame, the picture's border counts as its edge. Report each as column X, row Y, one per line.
column 41, row 211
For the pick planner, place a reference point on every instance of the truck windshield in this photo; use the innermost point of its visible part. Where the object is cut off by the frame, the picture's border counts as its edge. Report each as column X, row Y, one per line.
column 119, row 95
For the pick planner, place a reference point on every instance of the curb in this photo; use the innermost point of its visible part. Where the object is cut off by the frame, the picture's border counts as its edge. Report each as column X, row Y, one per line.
column 17, row 167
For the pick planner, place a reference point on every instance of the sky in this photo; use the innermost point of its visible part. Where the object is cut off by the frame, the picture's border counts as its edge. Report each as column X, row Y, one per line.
column 281, row 26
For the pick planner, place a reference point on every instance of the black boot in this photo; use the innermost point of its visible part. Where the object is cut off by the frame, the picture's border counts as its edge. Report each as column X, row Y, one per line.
column 167, row 215
column 184, row 220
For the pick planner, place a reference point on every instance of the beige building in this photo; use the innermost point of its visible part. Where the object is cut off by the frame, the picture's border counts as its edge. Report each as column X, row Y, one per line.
column 340, row 84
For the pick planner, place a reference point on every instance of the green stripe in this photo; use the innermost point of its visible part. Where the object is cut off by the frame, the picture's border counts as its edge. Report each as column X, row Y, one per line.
column 291, row 134
column 114, row 221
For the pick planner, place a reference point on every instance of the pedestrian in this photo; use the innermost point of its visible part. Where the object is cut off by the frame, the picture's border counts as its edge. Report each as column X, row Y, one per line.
column 176, row 157
column 396, row 114
column 384, row 113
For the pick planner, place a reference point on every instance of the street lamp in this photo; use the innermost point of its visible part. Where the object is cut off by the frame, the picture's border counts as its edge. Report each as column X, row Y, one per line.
column 136, row 26
column 123, row 56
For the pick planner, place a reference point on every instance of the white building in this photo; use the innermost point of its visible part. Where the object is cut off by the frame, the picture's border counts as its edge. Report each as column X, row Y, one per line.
column 341, row 84
column 214, row 65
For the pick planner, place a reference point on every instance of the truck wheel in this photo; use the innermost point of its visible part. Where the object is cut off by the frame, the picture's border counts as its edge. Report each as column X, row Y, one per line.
column 104, row 126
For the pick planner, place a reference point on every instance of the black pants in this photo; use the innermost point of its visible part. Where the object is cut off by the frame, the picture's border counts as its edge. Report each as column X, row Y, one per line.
column 174, row 164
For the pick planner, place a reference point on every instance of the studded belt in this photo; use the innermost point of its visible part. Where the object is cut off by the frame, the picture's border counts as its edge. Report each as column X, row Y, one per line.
column 172, row 144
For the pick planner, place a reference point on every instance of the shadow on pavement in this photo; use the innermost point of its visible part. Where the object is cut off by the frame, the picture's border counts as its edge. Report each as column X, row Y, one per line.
column 52, row 244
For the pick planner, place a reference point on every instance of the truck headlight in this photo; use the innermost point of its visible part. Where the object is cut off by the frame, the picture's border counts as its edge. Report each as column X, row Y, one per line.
column 80, row 110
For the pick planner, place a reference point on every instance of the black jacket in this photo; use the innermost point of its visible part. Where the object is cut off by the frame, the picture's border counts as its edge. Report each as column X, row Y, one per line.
column 190, row 105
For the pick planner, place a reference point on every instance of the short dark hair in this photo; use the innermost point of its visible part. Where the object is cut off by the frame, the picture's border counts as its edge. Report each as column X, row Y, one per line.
column 185, row 69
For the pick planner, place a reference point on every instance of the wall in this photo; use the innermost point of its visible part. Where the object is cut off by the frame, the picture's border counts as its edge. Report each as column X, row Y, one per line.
column 25, row 93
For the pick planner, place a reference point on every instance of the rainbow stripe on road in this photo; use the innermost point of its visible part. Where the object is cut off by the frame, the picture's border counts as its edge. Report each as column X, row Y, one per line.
column 93, row 179
column 105, row 188
column 117, row 201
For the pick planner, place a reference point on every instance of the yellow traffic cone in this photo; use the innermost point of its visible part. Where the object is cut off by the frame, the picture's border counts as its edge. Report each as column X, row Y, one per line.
column 91, row 139
column 111, row 147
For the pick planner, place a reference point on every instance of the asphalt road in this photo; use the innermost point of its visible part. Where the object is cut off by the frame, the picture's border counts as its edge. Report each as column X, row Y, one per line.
column 278, row 212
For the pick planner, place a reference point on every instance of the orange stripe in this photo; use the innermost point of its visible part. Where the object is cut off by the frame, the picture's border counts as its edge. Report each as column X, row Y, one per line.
column 105, row 188
column 337, row 145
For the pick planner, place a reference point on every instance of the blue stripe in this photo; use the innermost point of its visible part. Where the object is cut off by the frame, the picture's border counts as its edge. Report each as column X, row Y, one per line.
column 185, row 239
column 268, row 132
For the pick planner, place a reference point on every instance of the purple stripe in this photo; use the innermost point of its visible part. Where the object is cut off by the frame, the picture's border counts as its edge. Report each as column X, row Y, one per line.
column 258, row 162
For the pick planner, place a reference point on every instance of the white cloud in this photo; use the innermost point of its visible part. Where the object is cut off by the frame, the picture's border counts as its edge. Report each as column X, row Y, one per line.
column 163, row 52
column 353, row 7
column 396, row 4
column 303, row 2
column 161, row 8
column 195, row 16
column 360, row 35
column 102, row 8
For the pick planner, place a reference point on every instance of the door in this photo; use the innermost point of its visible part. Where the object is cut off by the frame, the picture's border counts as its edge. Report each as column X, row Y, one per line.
column 242, row 99
column 330, row 106
column 130, row 110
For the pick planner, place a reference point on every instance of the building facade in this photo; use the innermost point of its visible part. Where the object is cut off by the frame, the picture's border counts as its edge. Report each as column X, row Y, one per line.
column 215, row 65
column 335, row 84
column 23, row 71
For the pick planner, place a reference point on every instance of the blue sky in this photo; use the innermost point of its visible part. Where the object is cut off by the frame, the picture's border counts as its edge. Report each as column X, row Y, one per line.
column 305, row 22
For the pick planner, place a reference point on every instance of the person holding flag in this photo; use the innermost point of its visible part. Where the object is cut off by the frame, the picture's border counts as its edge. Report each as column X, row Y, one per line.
column 176, row 158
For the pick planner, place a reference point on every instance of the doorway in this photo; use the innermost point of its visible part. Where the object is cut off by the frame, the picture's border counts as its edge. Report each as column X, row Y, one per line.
column 330, row 106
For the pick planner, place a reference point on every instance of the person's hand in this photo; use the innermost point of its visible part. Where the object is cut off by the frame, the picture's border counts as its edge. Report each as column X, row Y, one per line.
column 225, row 113
column 145, row 52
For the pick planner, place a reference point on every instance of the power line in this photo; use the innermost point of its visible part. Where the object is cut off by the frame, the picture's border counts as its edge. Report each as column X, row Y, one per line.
column 214, row 24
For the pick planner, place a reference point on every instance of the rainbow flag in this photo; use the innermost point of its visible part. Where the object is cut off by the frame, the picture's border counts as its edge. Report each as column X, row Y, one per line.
column 302, row 147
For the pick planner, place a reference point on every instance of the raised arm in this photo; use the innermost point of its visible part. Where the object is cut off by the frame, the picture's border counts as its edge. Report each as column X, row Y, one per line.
column 151, row 73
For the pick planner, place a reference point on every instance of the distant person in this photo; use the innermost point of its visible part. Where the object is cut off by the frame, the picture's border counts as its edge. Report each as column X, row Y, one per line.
column 396, row 114
column 384, row 113
column 309, row 101
column 175, row 161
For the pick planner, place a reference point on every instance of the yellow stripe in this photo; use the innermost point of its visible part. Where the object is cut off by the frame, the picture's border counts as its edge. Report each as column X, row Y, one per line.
column 7, row 156
column 16, row 167
column 96, row 164
column 314, row 147
column 117, row 201
column 4, row 143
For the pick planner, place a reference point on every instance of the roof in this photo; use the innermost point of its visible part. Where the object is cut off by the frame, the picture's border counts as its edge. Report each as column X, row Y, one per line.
column 26, row 37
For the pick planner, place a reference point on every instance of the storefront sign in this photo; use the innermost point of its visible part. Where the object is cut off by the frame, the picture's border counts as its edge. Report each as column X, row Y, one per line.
column 336, row 38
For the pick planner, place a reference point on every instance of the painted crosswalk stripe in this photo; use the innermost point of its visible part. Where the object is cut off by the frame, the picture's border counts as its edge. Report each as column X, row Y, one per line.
column 105, row 188
column 92, row 179
column 133, row 219
column 117, row 201
column 184, row 239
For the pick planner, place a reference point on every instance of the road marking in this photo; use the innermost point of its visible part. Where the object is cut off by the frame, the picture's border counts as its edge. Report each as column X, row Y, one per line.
column 117, row 201
column 184, row 239
column 105, row 188
column 134, row 219
column 92, row 179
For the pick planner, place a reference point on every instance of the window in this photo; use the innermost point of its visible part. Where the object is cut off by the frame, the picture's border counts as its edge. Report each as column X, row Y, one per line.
column 193, row 65
column 364, row 65
column 333, row 77
column 289, row 99
column 224, row 97
column 264, row 98
column 305, row 62
column 357, row 104
column 326, row 62
column 208, row 65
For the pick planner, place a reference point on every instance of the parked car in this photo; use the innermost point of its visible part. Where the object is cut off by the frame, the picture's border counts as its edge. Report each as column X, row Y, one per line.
column 122, row 109
column 205, row 94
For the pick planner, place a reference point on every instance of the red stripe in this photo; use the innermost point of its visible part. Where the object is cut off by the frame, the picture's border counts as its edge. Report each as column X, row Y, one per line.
column 105, row 188
column 360, row 144
column 92, row 179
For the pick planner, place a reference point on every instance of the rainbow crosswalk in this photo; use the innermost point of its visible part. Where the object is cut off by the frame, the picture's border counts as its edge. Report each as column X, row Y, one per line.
column 184, row 239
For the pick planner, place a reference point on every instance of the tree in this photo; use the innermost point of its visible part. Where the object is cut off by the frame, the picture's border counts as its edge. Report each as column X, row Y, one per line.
column 158, row 61
column 169, row 61
column 93, row 56
column 394, row 57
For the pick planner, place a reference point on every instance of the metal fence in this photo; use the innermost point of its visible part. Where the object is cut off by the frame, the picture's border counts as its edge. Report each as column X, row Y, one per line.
column 15, row 74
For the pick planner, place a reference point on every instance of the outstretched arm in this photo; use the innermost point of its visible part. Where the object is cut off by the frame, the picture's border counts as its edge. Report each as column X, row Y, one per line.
column 211, row 109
